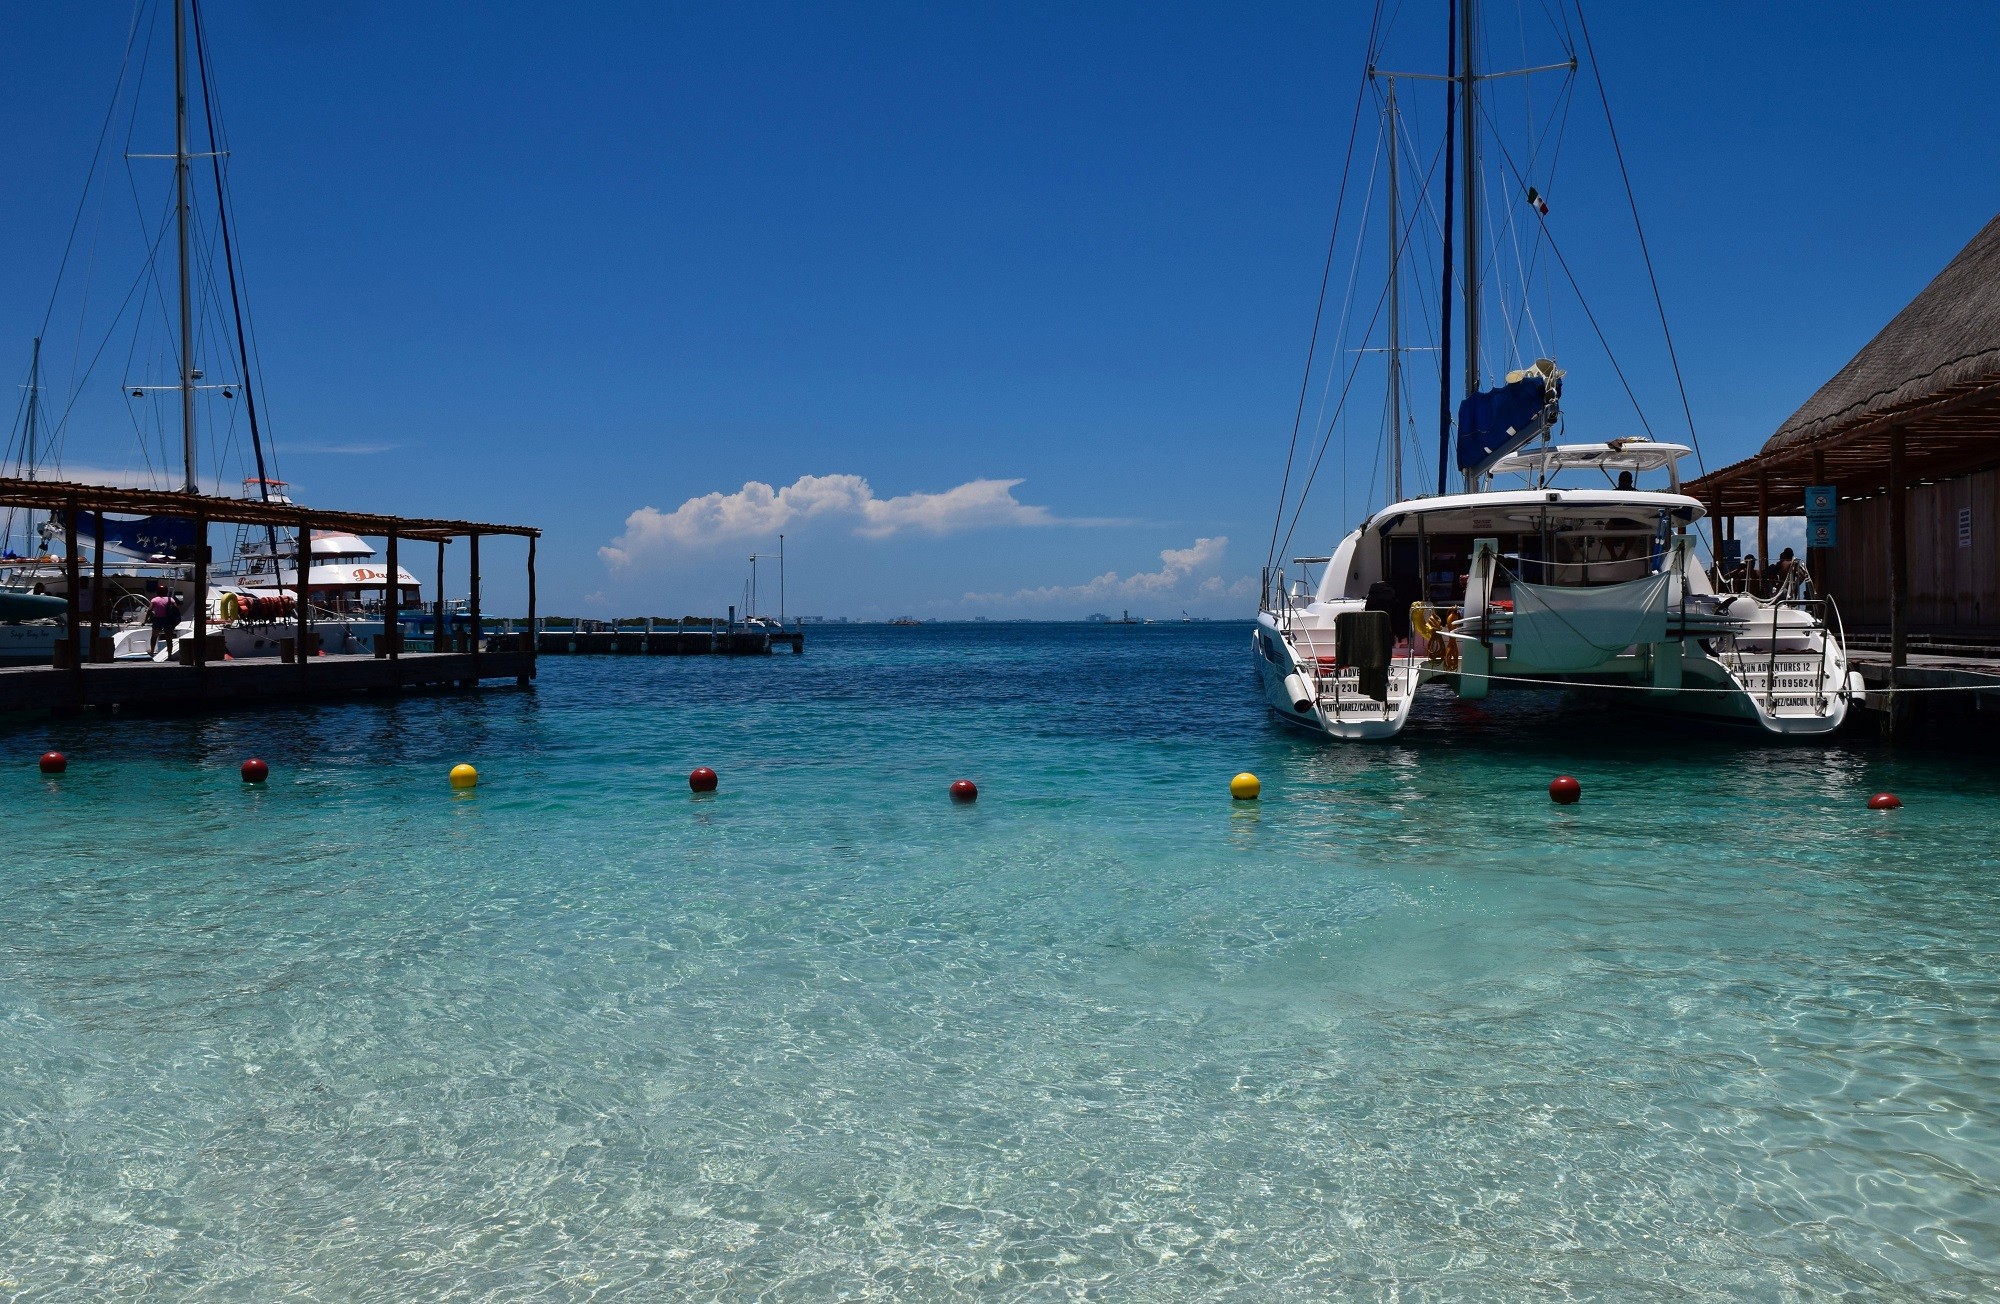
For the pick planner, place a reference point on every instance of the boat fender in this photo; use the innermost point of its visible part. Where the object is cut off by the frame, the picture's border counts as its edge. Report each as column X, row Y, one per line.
column 1298, row 694
column 231, row 608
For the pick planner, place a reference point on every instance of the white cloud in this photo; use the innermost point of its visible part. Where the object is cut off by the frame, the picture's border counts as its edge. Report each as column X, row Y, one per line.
column 342, row 450
column 1175, row 579
column 758, row 509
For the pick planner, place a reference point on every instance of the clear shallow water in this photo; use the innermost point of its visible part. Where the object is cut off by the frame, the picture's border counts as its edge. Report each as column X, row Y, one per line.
column 1403, row 1029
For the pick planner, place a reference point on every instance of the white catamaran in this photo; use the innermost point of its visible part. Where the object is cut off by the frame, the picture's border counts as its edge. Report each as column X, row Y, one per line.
column 1553, row 565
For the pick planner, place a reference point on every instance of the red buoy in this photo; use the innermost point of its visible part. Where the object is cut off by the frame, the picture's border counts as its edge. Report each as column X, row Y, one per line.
column 1885, row 801
column 965, row 790
column 702, row 779
column 1565, row 791
column 54, row 762
column 255, row 771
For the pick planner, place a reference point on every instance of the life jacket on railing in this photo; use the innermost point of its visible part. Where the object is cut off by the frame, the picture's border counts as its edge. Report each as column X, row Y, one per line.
column 1432, row 627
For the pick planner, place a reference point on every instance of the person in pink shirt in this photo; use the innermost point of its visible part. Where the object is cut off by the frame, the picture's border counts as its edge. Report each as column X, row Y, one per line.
column 165, row 614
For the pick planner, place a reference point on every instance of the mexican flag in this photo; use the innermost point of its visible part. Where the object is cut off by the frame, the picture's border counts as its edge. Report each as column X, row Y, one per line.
column 1536, row 202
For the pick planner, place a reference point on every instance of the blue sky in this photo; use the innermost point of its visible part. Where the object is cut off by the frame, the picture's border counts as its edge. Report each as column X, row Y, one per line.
column 1006, row 304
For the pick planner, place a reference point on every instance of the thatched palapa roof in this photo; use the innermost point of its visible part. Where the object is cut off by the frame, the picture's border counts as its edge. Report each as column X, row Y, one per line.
column 1933, row 373
column 1947, row 338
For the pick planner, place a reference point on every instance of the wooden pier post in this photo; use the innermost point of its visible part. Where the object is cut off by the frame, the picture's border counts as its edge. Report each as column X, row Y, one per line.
column 472, row 602
column 73, row 617
column 1763, row 531
column 1816, row 557
column 392, row 603
column 1899, row 556
column 1715, row 530
column 531, row 640
column 391, row 617
column 302, row 577
column 200, row 595
column 97, row 588
column 437, row 623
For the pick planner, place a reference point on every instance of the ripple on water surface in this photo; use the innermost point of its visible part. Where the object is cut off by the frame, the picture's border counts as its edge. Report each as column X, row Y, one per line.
column 1401, row 1029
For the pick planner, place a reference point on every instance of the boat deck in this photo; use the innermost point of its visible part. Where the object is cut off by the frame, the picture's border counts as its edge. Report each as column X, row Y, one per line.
column 150, row 683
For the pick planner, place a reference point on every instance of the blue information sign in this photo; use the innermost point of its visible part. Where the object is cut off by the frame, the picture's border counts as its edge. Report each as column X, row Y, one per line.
column 1822, row 512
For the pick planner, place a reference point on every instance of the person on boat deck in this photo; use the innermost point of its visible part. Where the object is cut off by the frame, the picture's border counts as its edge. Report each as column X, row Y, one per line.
column 1786, row 576
column 1625, row 480
column 165, row 614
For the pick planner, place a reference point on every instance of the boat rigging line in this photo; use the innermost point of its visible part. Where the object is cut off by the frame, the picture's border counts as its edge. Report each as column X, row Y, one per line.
column 1326, row 273
column 1582, row 302
column 1645, row 254
column 1444, row 311
column 222, row 205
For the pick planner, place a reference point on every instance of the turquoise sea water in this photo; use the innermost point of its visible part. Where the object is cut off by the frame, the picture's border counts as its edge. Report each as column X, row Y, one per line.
column 1401, row 1030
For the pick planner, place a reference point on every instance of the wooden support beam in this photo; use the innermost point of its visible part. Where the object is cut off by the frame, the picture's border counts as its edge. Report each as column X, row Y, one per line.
column 439, row 633
column 1816, row 558
column 73, row 616
column 392, row 604
column 97, row 587
column 532, row 637
column 1899, row 555
column 200, row 595
column 472, row 600
column 1763, row 529
column 302, row 576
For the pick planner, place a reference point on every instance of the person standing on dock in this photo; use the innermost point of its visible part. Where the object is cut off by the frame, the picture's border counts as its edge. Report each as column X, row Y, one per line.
column 165, row 614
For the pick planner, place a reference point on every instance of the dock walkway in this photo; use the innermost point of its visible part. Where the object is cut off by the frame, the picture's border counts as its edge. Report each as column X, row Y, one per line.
column 1972, row 705
column 152, row 683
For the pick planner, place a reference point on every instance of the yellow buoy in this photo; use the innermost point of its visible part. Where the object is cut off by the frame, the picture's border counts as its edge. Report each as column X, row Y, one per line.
column 464, row 776
column 1244, row 787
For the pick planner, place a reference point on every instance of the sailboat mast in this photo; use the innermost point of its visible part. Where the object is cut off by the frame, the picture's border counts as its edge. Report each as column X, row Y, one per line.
column 1395, row 315
column 1444, row 310
column 1468, row 163
column 181, row 158
column 34, row 417
column 34, row 405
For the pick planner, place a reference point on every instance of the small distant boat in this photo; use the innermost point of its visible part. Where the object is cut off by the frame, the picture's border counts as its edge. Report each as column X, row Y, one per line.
column 906, row 620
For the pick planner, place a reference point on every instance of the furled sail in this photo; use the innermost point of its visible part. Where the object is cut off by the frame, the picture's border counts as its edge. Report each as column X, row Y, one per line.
column 148, row 536
column 1494, row 422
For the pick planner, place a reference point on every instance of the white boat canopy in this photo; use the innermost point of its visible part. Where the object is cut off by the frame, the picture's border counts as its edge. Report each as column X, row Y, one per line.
column 1631, row 454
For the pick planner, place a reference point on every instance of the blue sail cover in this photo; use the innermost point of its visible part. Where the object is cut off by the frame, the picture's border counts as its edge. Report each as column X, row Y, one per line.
column 149, row 536
column 1495, row 422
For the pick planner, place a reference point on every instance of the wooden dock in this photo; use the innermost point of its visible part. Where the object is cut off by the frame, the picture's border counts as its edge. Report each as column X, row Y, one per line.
column 221, row 683
column 1969, row 708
